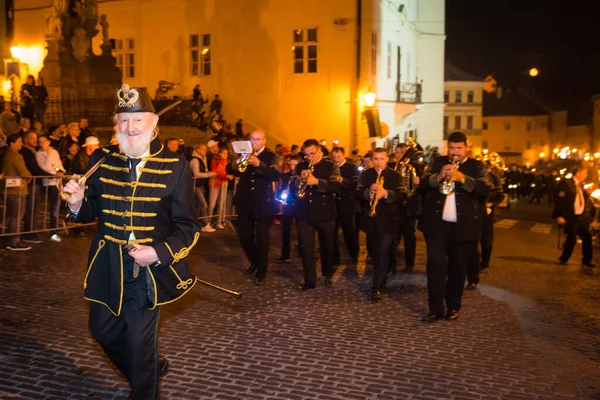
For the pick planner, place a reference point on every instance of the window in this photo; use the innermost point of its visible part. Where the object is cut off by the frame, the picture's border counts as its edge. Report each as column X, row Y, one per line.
column 458, row 96
column 125, row 55
column 470, row 122
column 200, row 63
column 543, row 125
column 389, row 60
column 528, row 145
column 506, row 144
column 528, row 125
column 446, row 121
column 446, row 96
column 484, row 144
column 457, row 122
column 304, row 50
column 507, row 126
column 484, row 126
column 374, row 53
column 470, row 96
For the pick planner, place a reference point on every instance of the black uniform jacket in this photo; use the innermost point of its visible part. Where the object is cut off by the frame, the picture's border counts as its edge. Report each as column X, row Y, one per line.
column 318, row 204
column 387, row 216
column 564, row 205
column 470, row 197
column 496, row 191
column 347, row 203
column 160, row 210
column 255, row 194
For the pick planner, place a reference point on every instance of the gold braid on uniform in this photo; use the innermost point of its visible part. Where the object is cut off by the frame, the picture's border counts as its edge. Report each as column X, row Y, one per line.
column 183, row 253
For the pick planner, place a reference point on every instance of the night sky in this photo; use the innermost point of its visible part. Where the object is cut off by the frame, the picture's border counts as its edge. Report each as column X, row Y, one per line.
column 505, row 38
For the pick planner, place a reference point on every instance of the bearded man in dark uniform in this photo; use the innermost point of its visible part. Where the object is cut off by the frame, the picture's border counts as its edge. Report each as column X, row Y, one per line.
column 143, row 200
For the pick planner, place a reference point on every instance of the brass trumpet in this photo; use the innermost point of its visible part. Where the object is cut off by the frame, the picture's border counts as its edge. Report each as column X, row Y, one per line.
column 447, row 185
column 301, row 191
column 374, row 199
column 243, row 165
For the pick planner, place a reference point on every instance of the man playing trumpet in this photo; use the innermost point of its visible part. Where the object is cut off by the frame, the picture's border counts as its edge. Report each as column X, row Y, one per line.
column 380, row 189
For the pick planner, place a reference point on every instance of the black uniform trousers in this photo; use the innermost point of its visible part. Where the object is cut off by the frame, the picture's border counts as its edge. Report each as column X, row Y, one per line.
column 447, row 261
column 379, row 248
column 306, row 238
column 129, row 340
column 406, row 230
column 346, row 222
column 256, row 249
column 286, row 234
column 577, row 226
column 487, row 238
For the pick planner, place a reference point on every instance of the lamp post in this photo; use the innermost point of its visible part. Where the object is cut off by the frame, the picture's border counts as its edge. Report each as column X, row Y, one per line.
column 371, row 114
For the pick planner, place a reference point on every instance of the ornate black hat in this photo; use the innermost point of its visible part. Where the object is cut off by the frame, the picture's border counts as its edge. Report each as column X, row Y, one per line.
column 133, row 100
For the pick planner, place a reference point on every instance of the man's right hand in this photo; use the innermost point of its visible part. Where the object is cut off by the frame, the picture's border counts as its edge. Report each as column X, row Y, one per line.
column 561, row 221
column 77, row 192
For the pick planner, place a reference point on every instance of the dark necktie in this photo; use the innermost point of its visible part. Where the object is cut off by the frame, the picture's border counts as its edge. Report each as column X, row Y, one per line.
column 133, row 171
column 580, row 196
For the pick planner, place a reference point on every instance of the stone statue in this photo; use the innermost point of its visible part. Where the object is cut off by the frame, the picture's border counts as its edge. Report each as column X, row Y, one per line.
column 92, row 8
column 54, row 24
column 80, row 11
column 59, row 5
column 104, row 24
column 80, row 44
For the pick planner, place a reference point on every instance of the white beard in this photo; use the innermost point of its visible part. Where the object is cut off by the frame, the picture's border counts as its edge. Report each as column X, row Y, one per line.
column 135, row 145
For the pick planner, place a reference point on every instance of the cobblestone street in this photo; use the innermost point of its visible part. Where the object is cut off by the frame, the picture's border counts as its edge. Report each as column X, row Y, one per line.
column 530, row 331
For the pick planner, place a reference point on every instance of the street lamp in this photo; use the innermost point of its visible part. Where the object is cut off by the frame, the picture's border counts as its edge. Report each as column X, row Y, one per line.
column 533, row 72
column 369, row 98
column 542, row 155
column 371, row 114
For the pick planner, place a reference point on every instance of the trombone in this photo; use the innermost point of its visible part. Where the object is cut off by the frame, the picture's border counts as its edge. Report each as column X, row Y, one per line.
column 374, row 199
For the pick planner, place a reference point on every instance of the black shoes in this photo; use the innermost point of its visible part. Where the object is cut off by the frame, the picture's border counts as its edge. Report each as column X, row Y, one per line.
column 432, row 317
column 561, row 262
column 259, row 281
column 304, row 287
column 163, row 365
column 328, row 281
column 250, row 270
column 283, row 259
column 471, row 286
column 452, row 315
column 375, row 295
column 409, row 269
column 484, row 270
column 588, row 264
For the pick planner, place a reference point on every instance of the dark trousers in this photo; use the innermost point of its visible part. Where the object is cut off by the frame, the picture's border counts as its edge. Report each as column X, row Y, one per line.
column 406, row 230
column 202, row 203
column 346, row 222
column 15, row 209
column 306, row 238
column 447, row 261
column 380, row 253
column 487, row 238
column 32, row 208
column 54, row 205
column 129, row 340
column 254, row 238
column 578, row 226
column 286, row 234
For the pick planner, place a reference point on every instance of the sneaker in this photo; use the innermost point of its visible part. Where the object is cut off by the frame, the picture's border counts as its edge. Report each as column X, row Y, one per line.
column 56, row 238
column 220, row 226
column 18, row 247
column 31, row 239
column 208, row 228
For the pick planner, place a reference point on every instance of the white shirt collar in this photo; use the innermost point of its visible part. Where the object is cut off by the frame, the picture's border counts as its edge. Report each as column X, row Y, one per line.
column 261, row 150
column 343, row 162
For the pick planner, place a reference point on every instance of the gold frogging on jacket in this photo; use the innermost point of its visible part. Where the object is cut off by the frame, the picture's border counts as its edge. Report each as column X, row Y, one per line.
column 129, row 227
column 183, row 253
column 129, row 198
column 127, row 213
column 133, row 184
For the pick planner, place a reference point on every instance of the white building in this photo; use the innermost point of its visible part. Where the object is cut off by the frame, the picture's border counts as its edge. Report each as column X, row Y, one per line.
column 297, row 69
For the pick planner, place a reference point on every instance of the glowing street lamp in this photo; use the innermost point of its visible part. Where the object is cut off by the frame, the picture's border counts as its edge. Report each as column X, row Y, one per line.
column 555, row 151
column 369, row 98
column 533, row 72
column 542, row 155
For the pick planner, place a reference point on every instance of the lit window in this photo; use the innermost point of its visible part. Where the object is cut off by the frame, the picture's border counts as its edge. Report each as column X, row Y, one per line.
column 446, row 96
column 528, row 145
column 528, row 125
column 458, row 96
column 125, row 55
column 484, row 144
column 305, row 50
column 200, row 58
column 507, row 126
column 470, row 97
column 446, row 122
column 484, row 126
column 457, row 122
column 374, row 53
column 470, row 122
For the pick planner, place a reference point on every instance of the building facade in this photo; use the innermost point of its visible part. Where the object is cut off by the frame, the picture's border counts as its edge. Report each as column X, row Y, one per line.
column 295, row 69
column 463, row 95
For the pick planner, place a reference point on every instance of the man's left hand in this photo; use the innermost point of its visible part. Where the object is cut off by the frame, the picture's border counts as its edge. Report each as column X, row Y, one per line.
column 254, row 161
column 312, row 180
column 458, row 176
column 143, row 255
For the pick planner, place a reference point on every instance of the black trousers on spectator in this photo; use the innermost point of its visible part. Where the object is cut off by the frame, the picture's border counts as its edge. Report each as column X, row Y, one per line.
column 34, row 197
column 286, row 234
column 254, row 238
column 380, row 254
column 347, row 223
column 129, row 340
column 578, row 226
column 306, row 238
column 447, row 260
column 406, row 230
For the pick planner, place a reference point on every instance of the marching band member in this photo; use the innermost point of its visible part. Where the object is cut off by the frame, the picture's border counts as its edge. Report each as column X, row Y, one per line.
column 347, row 206
column 379, row 188
column 288, row 189
column 573, row 210
column 455, row 189
column 317, row 186
column 255, row 203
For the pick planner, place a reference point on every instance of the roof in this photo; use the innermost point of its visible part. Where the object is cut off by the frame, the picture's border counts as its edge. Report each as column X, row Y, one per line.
column 453, row 73
column 511, row 103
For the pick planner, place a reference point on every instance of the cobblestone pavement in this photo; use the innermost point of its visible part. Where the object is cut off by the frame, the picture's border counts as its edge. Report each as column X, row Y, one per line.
column 530, row 331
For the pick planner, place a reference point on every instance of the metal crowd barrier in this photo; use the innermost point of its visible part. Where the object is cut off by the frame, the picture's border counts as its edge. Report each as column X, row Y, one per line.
column 41, row 216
